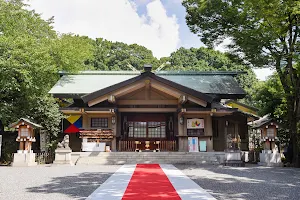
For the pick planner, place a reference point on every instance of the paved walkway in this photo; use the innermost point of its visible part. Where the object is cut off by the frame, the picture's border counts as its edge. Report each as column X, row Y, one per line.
column 50, row 182
column 149, row 181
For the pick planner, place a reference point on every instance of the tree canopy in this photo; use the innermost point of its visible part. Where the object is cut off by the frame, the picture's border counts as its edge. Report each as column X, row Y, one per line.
column 263, row 33
column 31, row 54
column 117, row 56
column 205, row 59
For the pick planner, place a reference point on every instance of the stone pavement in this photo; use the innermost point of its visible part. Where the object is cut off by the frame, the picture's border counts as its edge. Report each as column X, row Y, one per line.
column 78, row 182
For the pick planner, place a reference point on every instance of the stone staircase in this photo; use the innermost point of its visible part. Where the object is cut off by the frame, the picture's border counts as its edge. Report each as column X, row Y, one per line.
column 120, row 158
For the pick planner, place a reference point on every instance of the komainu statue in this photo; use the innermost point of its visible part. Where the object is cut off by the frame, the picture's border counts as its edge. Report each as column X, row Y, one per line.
column 64, row 143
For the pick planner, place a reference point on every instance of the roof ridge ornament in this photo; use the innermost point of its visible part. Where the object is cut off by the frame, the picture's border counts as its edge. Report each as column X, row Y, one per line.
column 147, row 67
column 132, row 68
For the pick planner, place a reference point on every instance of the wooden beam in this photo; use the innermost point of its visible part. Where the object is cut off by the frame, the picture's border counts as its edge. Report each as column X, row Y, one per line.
column 197, row 101
column 182, row 111
column 147, row 102
column 182, row 99
column 99, row 112
column 173, row 92
column 147, row 89
column 149, row 110
column 164, row 89
column 71, row 111
column 128, row 89
column 117, row 93
column 111, row 99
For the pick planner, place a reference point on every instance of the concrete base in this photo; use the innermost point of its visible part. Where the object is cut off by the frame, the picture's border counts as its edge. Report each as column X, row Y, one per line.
column 63, row 157
column 270, row 159
column 245, row 156
column 22, row 159
column 233, row 158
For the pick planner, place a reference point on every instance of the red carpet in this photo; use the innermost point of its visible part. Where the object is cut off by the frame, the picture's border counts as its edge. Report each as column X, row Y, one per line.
column 149, row 182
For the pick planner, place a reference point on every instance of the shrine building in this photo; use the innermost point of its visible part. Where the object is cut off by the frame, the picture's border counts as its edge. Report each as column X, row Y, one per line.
column 152, row 111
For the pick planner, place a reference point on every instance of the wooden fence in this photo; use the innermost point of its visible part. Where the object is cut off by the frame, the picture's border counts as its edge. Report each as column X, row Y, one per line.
column 126, row 145
column 44, row 157
column 168, row 146
column 165, row 145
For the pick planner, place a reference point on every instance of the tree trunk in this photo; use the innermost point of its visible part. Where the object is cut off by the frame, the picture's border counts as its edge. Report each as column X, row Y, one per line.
column 294, row 138
column 292, row 116
column 1, row 127
column 292, row 96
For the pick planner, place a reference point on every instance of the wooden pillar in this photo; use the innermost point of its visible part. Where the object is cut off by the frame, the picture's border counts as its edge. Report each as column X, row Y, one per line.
column 225, row 134
column 236, row 135
column 21, row 146
column 182, row 141
column 114, row 128
column 209, row 131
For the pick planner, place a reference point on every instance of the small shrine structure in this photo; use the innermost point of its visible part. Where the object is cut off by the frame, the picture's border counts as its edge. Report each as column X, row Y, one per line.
column 26, row 136
column 267, row 128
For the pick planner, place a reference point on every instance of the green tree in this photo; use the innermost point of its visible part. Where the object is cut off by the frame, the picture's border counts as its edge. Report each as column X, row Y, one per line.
column 263, row 33
column 204, row 59
column 73, row 52
column 270, row 99
column 31, row 54
column 117, row 55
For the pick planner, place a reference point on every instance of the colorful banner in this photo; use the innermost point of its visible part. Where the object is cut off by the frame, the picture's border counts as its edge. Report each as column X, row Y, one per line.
column 193, row 144
column 195, row 123
column 72, row 124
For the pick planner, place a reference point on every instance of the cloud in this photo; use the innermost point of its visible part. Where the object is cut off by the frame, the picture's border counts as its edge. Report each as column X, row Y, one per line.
column 263, row 73
column 115, row 20
column 223, row 47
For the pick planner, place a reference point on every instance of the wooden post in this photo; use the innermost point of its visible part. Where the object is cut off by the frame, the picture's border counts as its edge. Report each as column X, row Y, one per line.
column 21, row 146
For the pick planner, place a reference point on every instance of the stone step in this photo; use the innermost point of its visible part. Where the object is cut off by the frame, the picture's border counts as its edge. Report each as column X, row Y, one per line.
column 146, row 157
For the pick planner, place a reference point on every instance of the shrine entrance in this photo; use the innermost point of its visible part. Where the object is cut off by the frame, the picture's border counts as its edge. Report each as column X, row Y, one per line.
column 147, row 132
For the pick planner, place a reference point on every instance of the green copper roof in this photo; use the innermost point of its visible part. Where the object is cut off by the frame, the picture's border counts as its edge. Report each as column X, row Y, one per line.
column 86, row 83
column 215, row 83
column 209, row 84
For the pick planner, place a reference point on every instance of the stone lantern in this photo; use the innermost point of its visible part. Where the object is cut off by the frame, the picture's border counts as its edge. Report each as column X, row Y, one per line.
column 26, row 136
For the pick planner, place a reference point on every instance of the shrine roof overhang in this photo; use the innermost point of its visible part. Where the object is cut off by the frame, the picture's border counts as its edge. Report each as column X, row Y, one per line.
column 26, row 122
column 264, row 121
column 221, row 85
column 80, row 110
column 187, row 90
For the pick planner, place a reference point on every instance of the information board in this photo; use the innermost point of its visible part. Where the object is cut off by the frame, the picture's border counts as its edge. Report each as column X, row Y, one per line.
column 202, row 145
column 193, row 144
column 195, row 123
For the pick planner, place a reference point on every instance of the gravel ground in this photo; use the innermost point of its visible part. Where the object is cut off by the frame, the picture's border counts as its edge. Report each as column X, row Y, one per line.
column 245, row 183
column 52, row 182
column 78, row 182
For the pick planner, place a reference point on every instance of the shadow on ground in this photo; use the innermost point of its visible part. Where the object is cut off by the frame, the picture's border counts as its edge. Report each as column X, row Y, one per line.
column 77, row 187
column 246, row 183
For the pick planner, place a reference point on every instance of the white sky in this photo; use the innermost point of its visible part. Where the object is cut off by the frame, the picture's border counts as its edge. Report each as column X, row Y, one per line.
column 261, row 73
column 114, row 20
column 120, row 20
